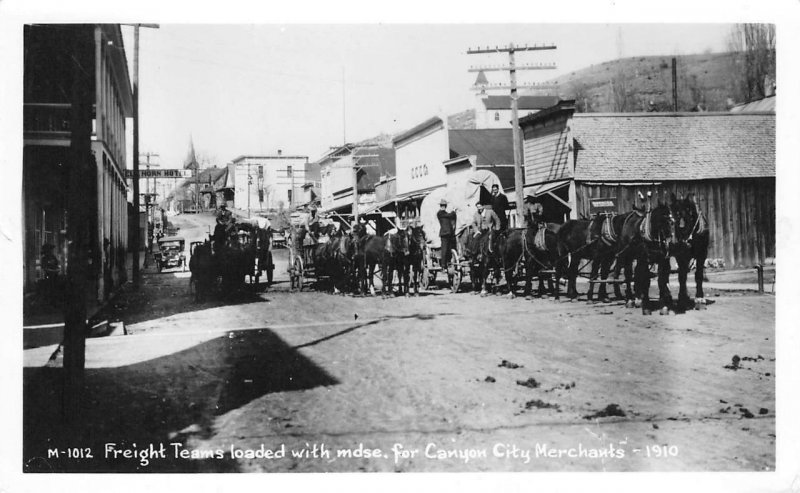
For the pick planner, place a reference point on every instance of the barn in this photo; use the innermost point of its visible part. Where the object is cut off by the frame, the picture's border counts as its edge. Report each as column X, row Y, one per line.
column 726, row 159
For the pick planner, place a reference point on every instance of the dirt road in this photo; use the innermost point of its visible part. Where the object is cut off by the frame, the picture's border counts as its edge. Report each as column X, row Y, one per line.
column 280, row 381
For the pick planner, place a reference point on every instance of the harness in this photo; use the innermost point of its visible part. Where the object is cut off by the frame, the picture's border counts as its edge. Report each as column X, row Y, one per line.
column 539, row 239
column 700, row 226
column 607, row 234
column 645, row 227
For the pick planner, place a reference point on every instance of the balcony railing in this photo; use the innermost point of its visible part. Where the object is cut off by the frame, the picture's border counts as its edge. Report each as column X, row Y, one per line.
column 47, row 118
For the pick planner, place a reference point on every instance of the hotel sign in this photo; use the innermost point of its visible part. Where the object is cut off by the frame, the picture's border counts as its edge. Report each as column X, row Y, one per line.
column 160, row 173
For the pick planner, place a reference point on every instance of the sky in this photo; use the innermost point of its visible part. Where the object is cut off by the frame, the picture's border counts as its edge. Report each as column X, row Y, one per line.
column 243, row 89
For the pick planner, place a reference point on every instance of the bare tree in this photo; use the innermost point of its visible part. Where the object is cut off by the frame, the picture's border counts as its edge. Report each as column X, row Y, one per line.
column 620, row 96
column 754, row 60
column 580, row 93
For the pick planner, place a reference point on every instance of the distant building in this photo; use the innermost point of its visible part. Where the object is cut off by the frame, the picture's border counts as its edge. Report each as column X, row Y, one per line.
column 495, row 111
column 376, row 158
column 268, row 183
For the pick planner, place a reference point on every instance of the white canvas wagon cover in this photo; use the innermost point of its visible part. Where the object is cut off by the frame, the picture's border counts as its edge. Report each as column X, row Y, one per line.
column 462, row 193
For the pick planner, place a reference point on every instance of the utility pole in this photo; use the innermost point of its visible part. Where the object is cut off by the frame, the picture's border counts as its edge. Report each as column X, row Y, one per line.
column 675, row 84
column 512, row 68
column 78, row 228
column 135, row 239
column 150, row 196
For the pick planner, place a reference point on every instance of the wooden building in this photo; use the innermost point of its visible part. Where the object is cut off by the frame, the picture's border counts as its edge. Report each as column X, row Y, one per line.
column 726, row 159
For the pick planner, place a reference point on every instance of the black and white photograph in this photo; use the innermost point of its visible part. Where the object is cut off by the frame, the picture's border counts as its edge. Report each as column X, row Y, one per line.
column 277, row 242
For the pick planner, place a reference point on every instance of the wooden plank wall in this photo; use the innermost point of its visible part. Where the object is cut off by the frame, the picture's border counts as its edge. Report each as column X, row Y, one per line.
column 741, row 213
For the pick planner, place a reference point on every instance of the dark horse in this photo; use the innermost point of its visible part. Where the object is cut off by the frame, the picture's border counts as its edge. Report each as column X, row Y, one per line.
column 484, row 251
column 389, row 252
column 646, row 238
column 204, row 270
column 412, row 269
column 691, row 242
column 536, row 250
column 595, row 240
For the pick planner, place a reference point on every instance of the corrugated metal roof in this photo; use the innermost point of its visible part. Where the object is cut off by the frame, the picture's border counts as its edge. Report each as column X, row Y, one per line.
column 673, row 146
column 523, row 103
column 493, row 148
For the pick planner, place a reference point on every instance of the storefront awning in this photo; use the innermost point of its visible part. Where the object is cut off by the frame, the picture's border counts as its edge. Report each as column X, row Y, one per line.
column 417, row 194
column 541, row 189
column 377, row 206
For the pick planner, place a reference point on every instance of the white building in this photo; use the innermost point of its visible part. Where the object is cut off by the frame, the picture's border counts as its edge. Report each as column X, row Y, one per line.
column 268, row 183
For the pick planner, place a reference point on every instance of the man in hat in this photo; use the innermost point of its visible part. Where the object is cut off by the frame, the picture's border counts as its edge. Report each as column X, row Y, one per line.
column 487, row 222
column 447, row 231
column 532, row 211
column 500, row 206
column 225, row 222
column 312, row 222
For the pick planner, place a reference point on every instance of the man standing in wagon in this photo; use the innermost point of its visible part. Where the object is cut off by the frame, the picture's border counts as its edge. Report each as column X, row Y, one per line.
column 447, row 232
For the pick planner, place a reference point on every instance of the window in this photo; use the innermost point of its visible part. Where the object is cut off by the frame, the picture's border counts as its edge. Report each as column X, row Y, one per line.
column 289, row 195
column 497, row 116
column 289, row 170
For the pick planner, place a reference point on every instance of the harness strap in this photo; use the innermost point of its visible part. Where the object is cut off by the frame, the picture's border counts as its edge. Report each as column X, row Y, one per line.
column 645, row 227
column 608, row 236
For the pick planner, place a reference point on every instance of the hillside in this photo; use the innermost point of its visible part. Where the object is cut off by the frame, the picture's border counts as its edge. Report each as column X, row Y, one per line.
column 702, row 79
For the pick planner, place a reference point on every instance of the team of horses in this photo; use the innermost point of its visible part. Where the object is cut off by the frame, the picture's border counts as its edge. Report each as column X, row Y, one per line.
column 630, row 245
column 222, row 263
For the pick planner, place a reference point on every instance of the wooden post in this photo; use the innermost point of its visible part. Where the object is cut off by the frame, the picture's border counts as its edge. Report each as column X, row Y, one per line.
column 135, row 240
column 78, row 229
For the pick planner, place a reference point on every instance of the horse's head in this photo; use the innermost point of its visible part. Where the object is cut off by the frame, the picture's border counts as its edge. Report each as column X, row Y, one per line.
column 687, row 216
column 397, row 242
column 662, row 224
column 416, row 239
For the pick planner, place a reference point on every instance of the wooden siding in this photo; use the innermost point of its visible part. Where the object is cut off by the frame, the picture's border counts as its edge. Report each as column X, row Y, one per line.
column 740, row 212
column 546, row 150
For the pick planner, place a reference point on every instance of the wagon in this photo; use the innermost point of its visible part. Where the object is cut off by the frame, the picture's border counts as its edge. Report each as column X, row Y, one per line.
column 255, row 239
column 461, row 195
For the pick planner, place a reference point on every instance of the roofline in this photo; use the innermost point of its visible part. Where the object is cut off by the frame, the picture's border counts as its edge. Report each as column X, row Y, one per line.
column 673, row 114
column 266, row 157
column 430, row 122
column 334, row 151
column 120, row 63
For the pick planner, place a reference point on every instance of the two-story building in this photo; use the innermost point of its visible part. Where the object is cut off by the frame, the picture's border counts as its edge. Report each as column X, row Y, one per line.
column 57, row 58
column 372, row 159
column 267, row 183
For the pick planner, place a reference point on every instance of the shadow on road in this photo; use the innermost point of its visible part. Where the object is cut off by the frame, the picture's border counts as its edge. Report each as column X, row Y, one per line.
column 165, row 400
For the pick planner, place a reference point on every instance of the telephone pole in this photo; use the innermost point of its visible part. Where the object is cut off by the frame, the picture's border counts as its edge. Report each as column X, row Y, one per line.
column 512, row 68
column 150, row 196
column 135, row 239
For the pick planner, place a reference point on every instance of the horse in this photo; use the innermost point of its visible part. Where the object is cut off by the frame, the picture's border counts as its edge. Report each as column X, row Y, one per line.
column 594, row 240
column 413, row 268
column 394, row 260
column 485, row 253
column 691, row 243
column 547, row 255
column 360, row 238
column 646, row 238
column 203, row 269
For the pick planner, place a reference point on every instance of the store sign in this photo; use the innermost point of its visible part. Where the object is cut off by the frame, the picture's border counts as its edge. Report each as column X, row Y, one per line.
column 602, row 205
column 160, row 173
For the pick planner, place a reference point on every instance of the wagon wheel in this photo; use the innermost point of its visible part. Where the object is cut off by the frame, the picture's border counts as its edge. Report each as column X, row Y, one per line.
column 458, row 273
column 424, row 281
